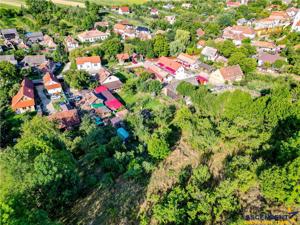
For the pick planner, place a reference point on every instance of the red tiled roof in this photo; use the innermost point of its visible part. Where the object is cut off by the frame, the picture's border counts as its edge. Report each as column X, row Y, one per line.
column 26, row 91
column 113, row 104
column 100, row 89
column 91, row 59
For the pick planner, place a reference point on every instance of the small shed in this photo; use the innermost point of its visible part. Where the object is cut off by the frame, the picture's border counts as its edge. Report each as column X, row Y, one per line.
column 122, row 133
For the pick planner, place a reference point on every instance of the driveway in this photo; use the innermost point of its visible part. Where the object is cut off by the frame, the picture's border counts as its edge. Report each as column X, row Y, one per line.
column 46, row 103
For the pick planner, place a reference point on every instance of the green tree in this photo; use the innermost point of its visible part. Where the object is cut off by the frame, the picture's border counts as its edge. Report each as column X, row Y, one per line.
column 78, row 79
column 158, row 148
column 160, row 46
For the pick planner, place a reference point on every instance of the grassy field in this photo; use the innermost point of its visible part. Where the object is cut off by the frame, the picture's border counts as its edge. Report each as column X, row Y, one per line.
column 80, row 3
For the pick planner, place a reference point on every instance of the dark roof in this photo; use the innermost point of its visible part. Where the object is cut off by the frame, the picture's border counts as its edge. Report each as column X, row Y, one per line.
column 34, row 34
column 107, row 95
column 8, row 31
column 206, row 67
column 66, row 119
column 145, row 29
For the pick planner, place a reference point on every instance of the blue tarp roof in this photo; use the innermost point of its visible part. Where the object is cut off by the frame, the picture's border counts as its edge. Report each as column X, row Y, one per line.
column 122, row 133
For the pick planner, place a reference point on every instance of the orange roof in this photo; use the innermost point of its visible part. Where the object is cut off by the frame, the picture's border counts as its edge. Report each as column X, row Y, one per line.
column 279, row 14
column 123, row 56
column 119, row 26
column 50, row 81
column 25, row 96
column 88, row 59
column 167, row 62
column 201, row 42
column 124, row 9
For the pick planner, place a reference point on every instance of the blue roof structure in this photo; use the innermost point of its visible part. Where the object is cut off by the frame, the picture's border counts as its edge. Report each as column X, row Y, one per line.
column 122, row 133
column 142, row 29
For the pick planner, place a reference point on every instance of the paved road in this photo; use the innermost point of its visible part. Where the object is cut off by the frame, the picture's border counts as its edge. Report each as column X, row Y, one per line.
column 47, row 104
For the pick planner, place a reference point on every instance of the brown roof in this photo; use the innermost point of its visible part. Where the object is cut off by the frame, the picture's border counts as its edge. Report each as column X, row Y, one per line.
column 270, row 58
column 25, row 96
column 91, row 34
column 50, row 81
column 66, row 119
column 91, row 59
column 263, row 44
column 231, row 72
column 70, row 39
column 114, row 85
column 103, row 74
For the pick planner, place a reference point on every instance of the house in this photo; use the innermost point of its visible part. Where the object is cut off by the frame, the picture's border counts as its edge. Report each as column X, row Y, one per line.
column 122, row 57
column 119, row 28
column 92, row 36
column 10, row 34
column 158, row 72
column 171, row 19
column 102, row 75
column 170, row 89
column 264, row 57
column 143, row 33
column 101, row 24
column 24, row 101
column 100, row 89
column 112, row 83
column 202, row 79
column 296, row 23
column 34, row 37
column 115, row 121
column 8, row 58
column 154, row 12
column 103, row 112
column 66, row 119
column 226, row 74
column 108, row 80
column 241, row 22
column 209, row 53
column 272, row 24
column 168, row 6
column 206, row 68
column 71, row 43
column 296, row 27
column 231, row 4
column 264, row 46
column 201, row 44
column 48, row 42
column 188, row 61
column 113, row 104
column 122, row 114
column 129, row 33
column 124, row 10
column 51, row 84
column 200, row 33
column 91, row 64
column 238, row 33
column 292, row 12
column 34, row 61
column 172, row 67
